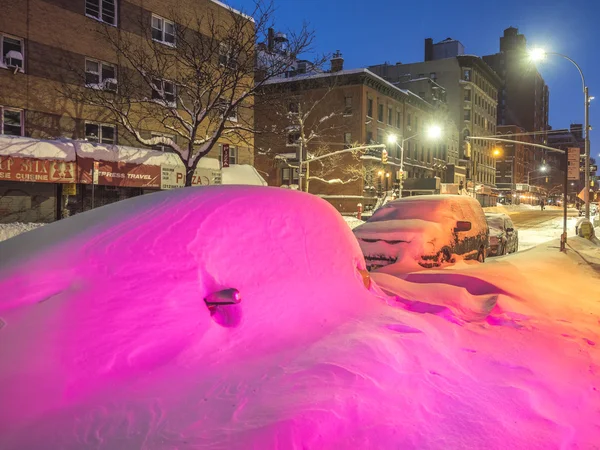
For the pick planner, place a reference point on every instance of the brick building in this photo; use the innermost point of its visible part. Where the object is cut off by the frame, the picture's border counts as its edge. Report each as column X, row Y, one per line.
column 513, row 164
column 350, row 108
column 38, row 61
column 471, row 88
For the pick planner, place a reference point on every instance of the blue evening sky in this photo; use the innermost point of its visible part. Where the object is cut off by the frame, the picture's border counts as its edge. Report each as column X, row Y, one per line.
column 374, row 31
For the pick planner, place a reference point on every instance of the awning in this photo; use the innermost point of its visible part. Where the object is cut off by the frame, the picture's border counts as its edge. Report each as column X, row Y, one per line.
column 35, row 160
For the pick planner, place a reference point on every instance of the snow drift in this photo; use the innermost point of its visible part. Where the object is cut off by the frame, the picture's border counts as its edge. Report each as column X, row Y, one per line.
column 107, row 343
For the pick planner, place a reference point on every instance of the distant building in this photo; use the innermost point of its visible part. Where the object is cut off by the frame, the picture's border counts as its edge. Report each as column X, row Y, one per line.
column 564, row 139
column 513, row 166
column 523, row 99
column 471, row 90
column 350, row 108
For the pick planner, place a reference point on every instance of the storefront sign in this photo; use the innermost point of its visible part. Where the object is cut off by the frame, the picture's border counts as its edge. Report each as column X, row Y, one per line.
column 174, row 177
column 225, row 155
column 70, row 189
column 112, row 173
column 37, row 170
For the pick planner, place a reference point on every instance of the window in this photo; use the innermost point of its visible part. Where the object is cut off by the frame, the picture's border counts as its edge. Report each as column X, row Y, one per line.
column 104, row 134
column 347, row 140
column 369, row 137
column 293, row 138
column 226, row 56
column 289, row 176
column 390, row 115
column 293, row 107
column 433, row 76
column 379, row 112
column 162, row 147
column 11, row 121
column 380, row 136
column 103, row 10
column 467, row 75
column 398, row 119
column 408, row 117
column 163, row 30
column 467, row 95
column 11, row 50
column 165, row 91
column 370, row 107
column 100, row 75
column 467, row 114
column 416, row 123
column 347, row 106
column 233, row 155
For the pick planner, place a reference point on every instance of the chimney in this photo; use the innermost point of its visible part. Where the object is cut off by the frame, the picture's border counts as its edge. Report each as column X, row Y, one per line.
column 270, row 40
column 337, row 62
column 428, row 49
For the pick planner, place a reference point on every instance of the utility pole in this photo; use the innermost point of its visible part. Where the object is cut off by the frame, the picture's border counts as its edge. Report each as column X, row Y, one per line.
column 586, row 194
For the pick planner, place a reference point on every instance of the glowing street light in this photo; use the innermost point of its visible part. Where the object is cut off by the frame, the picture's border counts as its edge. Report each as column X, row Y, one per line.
column 434, row 132
column 496, row 152
column 538, row 54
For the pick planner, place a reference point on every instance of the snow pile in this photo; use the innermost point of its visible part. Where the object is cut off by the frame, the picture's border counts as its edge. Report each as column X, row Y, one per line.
column 9, row 230
column 242, row 174
column 107, row 343
column 121, row 153
column 353, row 222
column 34, row 148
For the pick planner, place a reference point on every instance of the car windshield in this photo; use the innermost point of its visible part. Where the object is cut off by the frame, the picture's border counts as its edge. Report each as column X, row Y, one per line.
column 426, row 210
column 495, row 222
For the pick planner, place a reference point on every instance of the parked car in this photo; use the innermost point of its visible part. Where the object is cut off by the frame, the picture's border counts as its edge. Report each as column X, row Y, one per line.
column 429, row 229
column 504, row 237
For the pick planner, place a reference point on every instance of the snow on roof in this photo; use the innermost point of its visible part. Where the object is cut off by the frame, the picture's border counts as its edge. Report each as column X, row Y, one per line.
column 209, row 163
column 242, row 174
column 121, row 153
column 35, row 148
column 217, row 2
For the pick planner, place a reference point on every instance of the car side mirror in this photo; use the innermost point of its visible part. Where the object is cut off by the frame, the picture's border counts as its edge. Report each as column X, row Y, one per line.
column 462, row 225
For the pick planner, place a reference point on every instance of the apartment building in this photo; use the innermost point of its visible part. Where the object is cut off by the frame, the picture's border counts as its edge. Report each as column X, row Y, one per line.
column 350, row 108
column 50, row 47
column 471, row 91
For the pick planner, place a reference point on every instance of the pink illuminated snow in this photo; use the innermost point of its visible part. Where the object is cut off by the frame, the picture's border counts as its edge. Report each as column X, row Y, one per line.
column 107, row 342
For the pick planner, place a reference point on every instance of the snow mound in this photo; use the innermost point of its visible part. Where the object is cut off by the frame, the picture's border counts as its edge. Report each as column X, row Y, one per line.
column 9, row 230
column 353, row 222
column 105, row 341
column 23, row 147
column 242, row 174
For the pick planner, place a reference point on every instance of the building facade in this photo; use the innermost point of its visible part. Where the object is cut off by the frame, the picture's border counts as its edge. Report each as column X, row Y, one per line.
column 39, row 63
column 349, row 108
column 471, row 88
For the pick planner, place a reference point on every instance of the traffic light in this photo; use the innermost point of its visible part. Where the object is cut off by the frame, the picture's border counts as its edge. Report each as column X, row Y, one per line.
column 384, row 157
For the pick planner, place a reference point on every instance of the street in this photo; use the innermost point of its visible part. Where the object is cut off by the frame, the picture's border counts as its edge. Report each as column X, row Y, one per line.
column 536, row 226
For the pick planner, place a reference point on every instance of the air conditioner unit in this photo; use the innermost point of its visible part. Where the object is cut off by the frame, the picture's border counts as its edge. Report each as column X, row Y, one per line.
column 14, row 59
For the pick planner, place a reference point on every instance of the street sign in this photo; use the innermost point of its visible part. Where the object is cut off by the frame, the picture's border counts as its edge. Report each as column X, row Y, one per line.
column 573, row 158
column 225, row 155
column 95, row 171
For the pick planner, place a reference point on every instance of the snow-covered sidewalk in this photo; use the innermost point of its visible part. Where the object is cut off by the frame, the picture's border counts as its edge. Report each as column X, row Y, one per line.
column 9, row 230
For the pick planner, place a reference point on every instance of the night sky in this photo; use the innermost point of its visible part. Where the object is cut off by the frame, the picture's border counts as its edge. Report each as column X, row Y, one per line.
column 375, row 31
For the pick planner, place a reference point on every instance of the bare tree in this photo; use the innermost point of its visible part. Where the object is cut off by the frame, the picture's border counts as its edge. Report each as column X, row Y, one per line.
column 194, row 77
column 303, row 120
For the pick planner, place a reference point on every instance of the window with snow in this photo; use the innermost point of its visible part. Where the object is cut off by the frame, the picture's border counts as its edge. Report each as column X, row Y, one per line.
column 293, row 138
column 222, row 106
column 467, row 75
column 369, row 107
column 226, row 56
column 162, row 147
column 164, row 91
column 380, row 112
column 102, row 10
column 289, row 176
column 103, row 134
column 11, row 121
column 100, row 75
column 390, row 115
column 12, row 51
column 233, row 155
column 347, row 106
column 163, row 30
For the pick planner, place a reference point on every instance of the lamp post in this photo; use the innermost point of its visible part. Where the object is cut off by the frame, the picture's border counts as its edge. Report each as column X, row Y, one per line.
column 541, row 169
column 538, row 54
column 433, row 132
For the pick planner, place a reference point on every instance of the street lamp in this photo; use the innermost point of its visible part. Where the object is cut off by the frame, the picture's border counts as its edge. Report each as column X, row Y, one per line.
column 432, row 132
column 541, row 169
column 538, row 54
column 496, row 152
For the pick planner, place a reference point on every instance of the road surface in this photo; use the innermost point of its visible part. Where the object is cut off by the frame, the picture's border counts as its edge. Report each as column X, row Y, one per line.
column 536, row 226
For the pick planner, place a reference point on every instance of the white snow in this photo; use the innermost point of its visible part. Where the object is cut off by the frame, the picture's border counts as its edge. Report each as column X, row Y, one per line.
column 353, row 222
column 105, row 341
column 121, row 153
column 9, row 230
column 23, row 147
column 242, row 174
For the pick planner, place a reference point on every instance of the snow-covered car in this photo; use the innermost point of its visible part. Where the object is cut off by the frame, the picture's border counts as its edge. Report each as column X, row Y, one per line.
column 504, row 237
column 428, row 229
